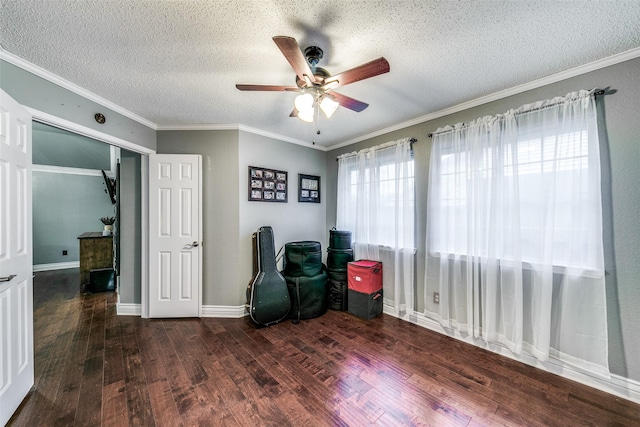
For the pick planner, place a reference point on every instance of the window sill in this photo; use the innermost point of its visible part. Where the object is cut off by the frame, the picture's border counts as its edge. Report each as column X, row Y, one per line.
column 583, row 271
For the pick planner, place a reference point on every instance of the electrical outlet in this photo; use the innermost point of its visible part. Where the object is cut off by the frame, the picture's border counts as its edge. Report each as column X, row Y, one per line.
column 436, row 298
column 65, row 253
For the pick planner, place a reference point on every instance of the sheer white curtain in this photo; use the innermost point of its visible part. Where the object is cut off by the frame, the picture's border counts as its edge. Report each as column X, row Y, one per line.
column 376, row 203
column 514, row 231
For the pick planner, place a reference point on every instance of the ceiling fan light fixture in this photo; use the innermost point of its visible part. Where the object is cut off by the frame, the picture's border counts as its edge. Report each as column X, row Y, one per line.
column 306, row 115
column 328, row 106
column 304, row 102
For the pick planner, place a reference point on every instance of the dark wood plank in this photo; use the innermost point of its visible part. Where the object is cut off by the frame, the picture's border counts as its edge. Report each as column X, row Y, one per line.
column 138, row 403
column 96, row 368
column 67, row 398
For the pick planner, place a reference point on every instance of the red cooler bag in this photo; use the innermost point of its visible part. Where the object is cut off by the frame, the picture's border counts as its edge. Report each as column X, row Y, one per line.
column 364, row 282
column 364, row 276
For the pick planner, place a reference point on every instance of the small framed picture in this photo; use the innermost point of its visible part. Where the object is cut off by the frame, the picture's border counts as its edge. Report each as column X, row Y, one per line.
column 267, row 185
column 308, row 188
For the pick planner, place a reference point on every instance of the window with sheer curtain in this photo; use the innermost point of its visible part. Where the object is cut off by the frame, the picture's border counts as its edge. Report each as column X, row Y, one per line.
column 514, row 230
column 376, row 202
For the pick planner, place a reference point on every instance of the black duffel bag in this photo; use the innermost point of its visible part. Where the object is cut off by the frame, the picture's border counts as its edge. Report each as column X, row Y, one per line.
column 338, row 275
column 339, row 239
column 308, row 296
column 302, row 259
column 339, row 258
column 337, row 295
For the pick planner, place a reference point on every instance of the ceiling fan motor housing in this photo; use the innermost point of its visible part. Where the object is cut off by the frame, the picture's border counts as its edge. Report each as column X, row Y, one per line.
column 319, row 73
column 313, row 54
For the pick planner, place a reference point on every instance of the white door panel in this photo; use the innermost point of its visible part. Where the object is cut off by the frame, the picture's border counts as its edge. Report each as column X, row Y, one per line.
column 16, row 271
column 175, row 223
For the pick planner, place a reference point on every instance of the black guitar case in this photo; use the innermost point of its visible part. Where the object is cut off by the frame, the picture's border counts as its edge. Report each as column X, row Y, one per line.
column 267, row 295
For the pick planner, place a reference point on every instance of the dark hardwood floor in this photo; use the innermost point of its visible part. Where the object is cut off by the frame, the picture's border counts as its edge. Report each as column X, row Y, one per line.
column 94, row 368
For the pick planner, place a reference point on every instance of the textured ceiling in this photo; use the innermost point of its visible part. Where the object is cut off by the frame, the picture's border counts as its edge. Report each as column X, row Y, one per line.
column 177, row 62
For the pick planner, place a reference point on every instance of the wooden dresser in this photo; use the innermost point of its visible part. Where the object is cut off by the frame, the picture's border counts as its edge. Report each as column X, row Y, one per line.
column 96, row 251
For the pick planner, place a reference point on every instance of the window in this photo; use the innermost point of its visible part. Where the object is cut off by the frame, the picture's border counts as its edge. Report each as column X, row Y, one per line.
column 377, row 201
column 539, row 180
column 514, row 231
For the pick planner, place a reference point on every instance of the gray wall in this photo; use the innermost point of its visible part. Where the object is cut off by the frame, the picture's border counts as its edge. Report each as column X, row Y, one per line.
column 130, row 227
column 42, row 95
column 229, row 218
column 620, row 141
column 65, row 206
column 291, row 221
column 220, row 250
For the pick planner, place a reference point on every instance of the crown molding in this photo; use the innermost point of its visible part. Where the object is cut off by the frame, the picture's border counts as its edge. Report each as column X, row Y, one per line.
column 66, row 84
column 282, row 138
column 242, row 128
column 554, row 78
column 534, row 84
column 57, row 80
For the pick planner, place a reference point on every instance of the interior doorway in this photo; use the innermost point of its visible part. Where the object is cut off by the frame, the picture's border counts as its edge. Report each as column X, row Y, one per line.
column 74, row 179
column 132, row 207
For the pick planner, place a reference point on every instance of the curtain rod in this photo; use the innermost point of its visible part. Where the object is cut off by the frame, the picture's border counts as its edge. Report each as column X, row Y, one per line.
column 596, row 93
column 411, row 141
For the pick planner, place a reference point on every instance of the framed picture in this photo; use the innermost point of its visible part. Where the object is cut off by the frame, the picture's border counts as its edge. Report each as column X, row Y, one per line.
column 308, row 188
column 267, row 185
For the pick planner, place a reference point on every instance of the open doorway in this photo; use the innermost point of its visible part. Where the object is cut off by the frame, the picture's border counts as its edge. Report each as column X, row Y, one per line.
column 71, row 198
column 74, row 179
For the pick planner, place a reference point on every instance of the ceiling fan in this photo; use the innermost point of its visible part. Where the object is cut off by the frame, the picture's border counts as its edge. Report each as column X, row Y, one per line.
column 316, row 84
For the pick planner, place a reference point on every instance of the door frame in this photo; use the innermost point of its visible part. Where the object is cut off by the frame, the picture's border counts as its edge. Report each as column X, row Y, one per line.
column 49, row 119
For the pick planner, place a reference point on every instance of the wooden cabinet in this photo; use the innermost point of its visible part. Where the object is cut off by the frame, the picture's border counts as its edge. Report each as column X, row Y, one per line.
column 96, row 251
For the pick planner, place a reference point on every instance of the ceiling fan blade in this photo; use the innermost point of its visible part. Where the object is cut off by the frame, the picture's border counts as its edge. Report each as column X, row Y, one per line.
column 364, row 71
column 348, row 102
column 267, row 87
column 291, row 50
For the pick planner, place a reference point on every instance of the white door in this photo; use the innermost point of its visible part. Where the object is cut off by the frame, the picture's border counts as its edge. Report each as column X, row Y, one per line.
column 175, row 235
column 16, row 269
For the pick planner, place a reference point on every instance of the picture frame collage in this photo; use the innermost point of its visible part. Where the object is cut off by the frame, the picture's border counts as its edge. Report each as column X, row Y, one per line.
column 271, row 185
column 268, row 185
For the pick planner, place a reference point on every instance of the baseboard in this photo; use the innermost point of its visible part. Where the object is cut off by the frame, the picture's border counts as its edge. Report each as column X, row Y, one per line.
column 128, row 309
column 56, row 266
column 617, row 385
column 225, row 311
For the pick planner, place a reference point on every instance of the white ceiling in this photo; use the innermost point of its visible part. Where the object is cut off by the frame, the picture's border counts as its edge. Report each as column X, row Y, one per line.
column 176, row 63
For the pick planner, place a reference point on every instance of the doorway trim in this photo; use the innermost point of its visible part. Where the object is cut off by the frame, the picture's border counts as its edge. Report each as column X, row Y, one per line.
column 49, row 119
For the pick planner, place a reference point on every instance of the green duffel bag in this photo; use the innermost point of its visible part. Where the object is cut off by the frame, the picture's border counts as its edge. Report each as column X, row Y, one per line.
column 339, row 258
column 302, row 259
column 308, row 296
